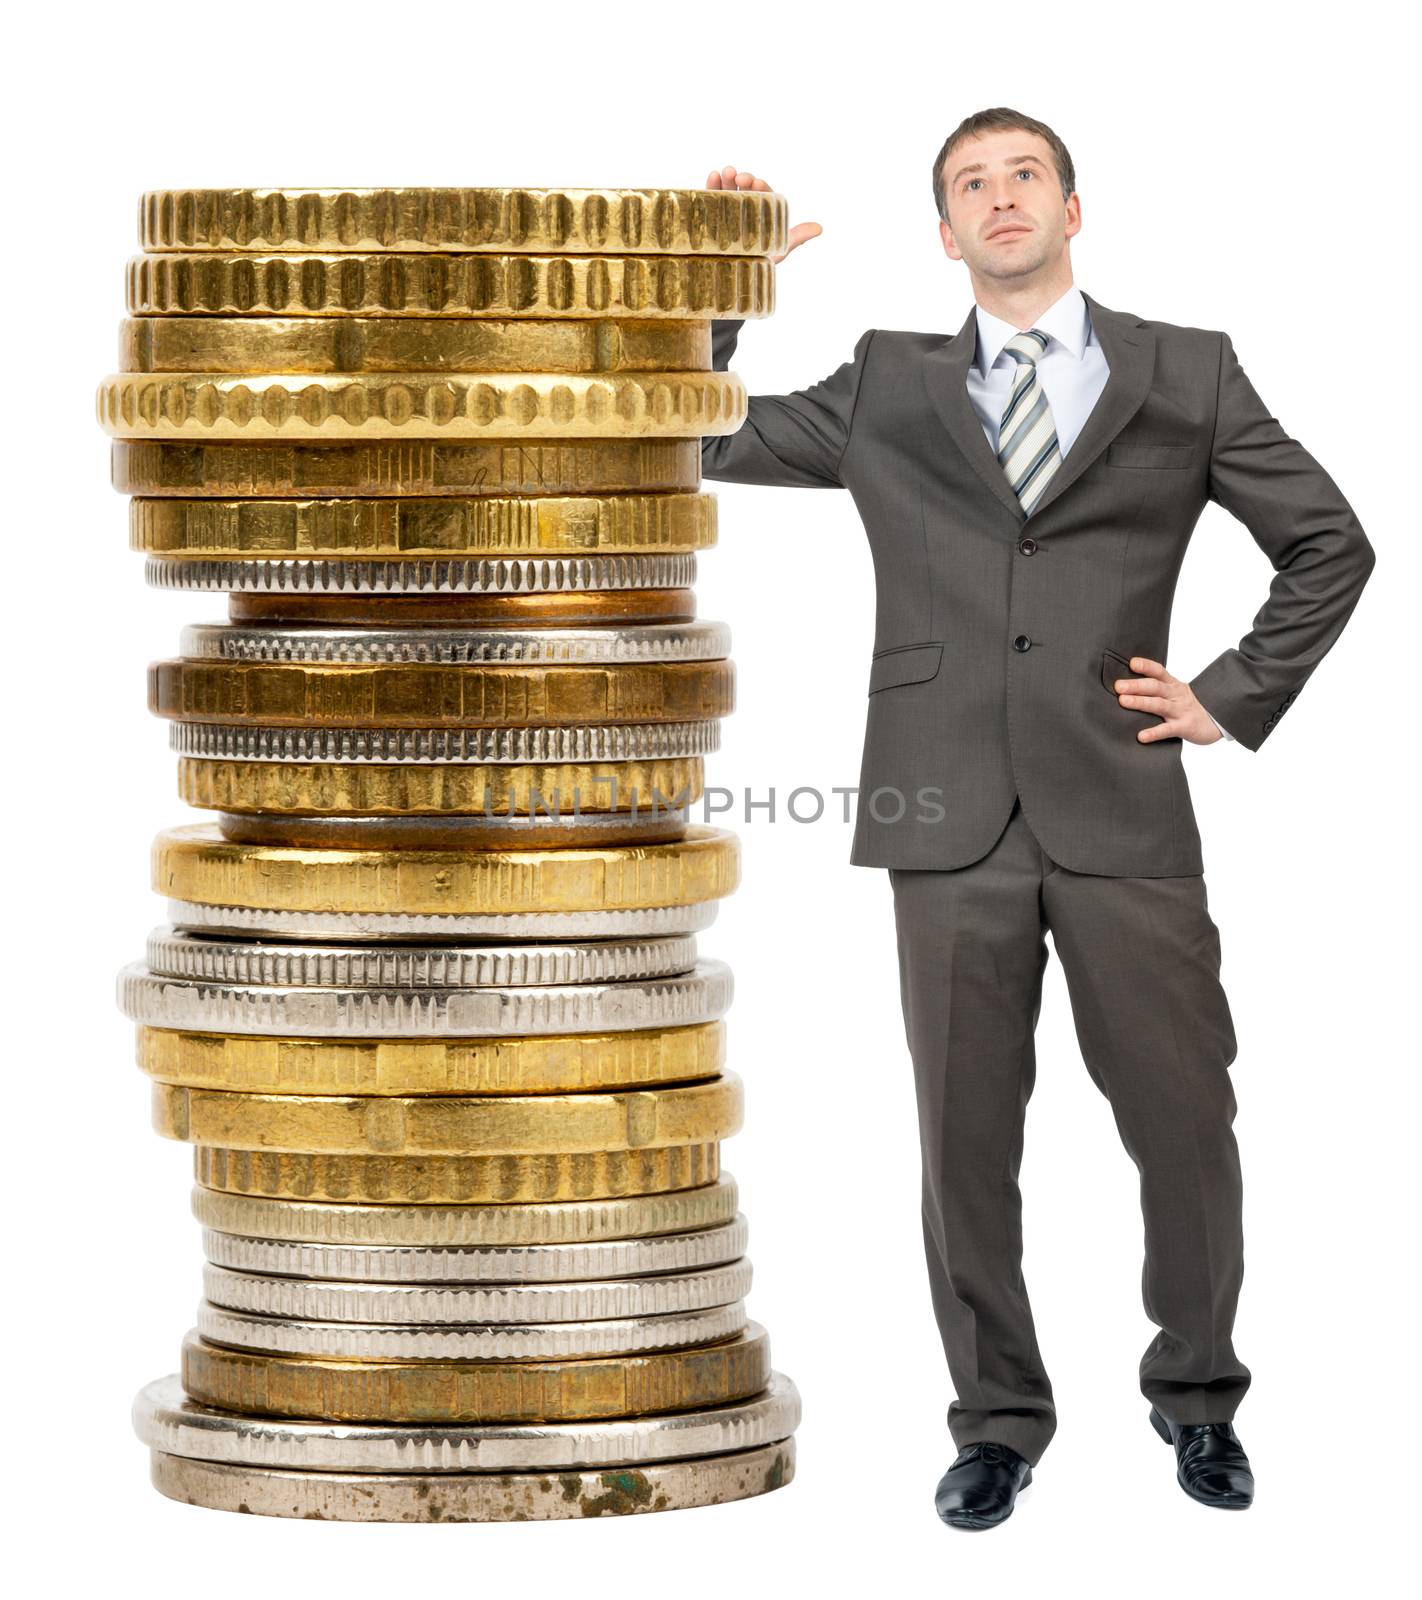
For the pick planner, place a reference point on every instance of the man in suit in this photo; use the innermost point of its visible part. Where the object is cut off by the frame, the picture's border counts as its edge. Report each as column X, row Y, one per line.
column 1029, row 486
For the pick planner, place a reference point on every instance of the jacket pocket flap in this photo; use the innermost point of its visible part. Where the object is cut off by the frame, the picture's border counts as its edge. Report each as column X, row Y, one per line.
column 907, row 663
column 1114, row 666
column 1150, row 455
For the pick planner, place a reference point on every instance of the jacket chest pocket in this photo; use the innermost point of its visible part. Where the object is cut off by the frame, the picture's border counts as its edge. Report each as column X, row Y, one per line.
column 905, row 663
column 1157, row 457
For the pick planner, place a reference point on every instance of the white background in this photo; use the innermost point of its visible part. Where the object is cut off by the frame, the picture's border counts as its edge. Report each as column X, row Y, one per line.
column 1240, row 169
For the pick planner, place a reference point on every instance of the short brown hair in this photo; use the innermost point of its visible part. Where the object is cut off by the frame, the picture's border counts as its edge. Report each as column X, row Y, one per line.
column 995, row 121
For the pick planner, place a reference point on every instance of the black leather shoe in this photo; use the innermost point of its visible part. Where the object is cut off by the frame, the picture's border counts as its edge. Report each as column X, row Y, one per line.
column 1210, row 1462
column 980, row 1488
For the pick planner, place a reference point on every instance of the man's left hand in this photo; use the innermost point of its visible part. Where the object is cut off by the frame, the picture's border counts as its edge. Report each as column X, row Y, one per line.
column 1156, row 690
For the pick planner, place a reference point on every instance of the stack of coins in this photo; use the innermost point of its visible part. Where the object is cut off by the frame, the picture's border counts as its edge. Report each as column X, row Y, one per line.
column 429, row 1005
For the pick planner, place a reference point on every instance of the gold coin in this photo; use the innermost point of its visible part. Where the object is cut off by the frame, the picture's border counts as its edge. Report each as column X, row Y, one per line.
column 314, row 789
column 412, row 467
column 551, row 1124
column 477, row 1391
column 456, row 1180
column 460, row 1227
column 532, row 286
column 556, row 609
column 195, row 863
column 410, row 404
column 551, row 832
column 561, row 1064
column 577, row 221
column 433, row 527
column 408, row 344
column 428, row 694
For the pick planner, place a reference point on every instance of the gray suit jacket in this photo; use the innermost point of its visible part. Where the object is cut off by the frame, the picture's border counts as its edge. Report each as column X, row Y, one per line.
column 997, row 636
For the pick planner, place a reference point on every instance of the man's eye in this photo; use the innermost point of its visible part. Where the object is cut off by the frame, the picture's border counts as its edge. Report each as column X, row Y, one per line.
column 971, row 181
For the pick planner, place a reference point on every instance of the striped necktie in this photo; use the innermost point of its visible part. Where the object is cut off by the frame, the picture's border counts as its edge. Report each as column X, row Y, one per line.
column 1027, row 435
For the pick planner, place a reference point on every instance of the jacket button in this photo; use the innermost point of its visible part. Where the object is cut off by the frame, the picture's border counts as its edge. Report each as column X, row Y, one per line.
column 1027, row 546
column 1021, row 642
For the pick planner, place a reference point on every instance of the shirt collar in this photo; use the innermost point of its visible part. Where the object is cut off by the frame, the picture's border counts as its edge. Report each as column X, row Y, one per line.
column 1067, row 321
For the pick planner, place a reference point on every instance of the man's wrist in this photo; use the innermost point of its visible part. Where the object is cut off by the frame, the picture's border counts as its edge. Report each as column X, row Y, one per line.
column 1224, row 732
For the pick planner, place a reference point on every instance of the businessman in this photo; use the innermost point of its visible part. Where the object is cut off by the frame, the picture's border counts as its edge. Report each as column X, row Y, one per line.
column 1029, row 485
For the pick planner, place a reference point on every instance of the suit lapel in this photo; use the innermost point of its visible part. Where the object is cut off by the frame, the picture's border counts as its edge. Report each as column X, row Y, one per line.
column 945, row 373
column 1130, row 353
column 1129, row 346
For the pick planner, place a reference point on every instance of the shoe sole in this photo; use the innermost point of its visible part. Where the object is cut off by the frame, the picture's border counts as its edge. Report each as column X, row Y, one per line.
column 1162, row 1427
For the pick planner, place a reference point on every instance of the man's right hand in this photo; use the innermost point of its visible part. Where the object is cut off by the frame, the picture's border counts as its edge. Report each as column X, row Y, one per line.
column 729, row 178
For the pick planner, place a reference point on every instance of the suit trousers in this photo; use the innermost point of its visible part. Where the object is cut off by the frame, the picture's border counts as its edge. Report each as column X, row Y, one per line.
column 1141, row 957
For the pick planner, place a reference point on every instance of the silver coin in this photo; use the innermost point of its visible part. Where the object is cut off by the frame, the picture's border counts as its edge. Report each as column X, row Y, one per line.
column 701, row 995
column 456, row 646
column 475, row 575
column 476, row 1496
column 490, row 1224
column 650, row 741
column 211, row 959
column 392, row 925
column 304, row 1300
column 514, row 1341
column 532, row 1263
column 165, row 1419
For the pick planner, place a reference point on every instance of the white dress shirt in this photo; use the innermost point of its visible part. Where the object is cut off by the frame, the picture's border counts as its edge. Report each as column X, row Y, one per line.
column 1072, row 371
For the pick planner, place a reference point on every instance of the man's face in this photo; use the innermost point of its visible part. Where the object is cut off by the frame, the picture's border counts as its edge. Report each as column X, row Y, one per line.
column 1006, row 215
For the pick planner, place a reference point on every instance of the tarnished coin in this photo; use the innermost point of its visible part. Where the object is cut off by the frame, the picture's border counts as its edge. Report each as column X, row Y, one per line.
column 476, row 1496
column 477, row 1391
